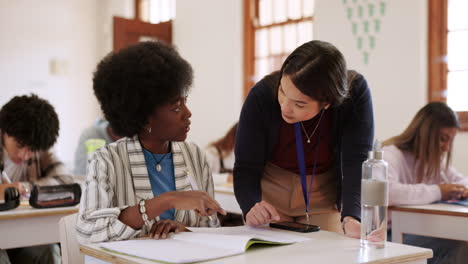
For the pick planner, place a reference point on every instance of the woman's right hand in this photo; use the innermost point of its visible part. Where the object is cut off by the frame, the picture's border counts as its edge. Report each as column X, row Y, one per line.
column 262, row 213
column 451, row 191
column 199, row 201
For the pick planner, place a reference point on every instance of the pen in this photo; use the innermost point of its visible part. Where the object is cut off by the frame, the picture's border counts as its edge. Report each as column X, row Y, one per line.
column 211, row 218
column 5, row 176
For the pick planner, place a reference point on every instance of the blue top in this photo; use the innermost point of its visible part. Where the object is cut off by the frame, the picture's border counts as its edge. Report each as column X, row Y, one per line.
column 258, row 131
column 161, row 181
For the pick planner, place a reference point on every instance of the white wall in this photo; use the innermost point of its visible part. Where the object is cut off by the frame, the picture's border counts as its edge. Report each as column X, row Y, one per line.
column 397, row 66
column 33, row 34
column 208, row 33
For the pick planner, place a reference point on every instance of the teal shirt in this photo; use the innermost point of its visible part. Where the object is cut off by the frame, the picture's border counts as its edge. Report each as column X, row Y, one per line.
column 161, row 181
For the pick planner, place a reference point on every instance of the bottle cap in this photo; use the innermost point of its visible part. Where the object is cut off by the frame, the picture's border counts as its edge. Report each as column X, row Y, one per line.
column 378, row 153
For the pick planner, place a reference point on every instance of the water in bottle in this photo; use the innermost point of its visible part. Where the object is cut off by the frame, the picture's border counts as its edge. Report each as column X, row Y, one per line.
column 374, row 199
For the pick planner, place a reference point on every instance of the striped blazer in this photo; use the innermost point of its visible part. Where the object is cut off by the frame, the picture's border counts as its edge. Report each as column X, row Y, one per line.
column 117, row 177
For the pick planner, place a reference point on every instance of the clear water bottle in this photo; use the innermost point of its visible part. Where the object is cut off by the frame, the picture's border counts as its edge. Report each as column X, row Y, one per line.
column 374, row 199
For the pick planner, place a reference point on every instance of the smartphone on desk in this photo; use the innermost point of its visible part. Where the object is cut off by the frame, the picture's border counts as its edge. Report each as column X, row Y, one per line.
column 297, row 227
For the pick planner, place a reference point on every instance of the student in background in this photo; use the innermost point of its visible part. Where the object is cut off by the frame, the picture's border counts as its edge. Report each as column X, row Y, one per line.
column 151, row 181
column 220, row 153
column 316, row 97
column 419, row 172
column 220, row 156
column 29, row 127
column 90, row 140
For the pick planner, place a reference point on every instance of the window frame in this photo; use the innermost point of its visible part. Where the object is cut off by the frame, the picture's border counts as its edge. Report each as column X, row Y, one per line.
column 251, row 24
column 437, row 53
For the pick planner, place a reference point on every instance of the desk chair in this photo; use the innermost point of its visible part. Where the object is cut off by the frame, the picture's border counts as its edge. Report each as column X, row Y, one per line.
column 70, row 246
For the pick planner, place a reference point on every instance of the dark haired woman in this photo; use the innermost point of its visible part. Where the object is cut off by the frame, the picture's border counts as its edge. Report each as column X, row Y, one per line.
column 419, row 172
column 303, row 134
column 29, row 127
column 151, row 181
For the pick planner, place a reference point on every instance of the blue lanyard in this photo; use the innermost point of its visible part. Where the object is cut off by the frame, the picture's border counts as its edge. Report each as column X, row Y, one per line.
column 300, row 159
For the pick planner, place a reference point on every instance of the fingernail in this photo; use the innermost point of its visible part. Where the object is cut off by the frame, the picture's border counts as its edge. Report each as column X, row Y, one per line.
column 156, row 237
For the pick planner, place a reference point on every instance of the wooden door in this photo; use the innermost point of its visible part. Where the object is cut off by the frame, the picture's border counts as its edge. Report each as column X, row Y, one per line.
column 131, row 31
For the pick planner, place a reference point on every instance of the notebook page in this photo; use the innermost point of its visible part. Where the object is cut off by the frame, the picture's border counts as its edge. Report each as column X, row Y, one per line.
column 184, row 247
column 253, row 232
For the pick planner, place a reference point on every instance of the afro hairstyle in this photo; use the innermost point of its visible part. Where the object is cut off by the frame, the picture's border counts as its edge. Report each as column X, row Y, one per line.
column 132, row 83
column 31, row 121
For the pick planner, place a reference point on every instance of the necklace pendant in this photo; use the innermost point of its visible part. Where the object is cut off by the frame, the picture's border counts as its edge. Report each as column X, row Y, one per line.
column 158, row 167
column 308, row 141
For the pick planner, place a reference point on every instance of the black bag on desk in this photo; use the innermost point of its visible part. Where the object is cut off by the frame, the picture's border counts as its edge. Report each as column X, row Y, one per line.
column 55, row 195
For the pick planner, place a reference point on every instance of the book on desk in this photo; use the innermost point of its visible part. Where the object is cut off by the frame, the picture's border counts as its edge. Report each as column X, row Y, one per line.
column 457, row 202
column 201, row 244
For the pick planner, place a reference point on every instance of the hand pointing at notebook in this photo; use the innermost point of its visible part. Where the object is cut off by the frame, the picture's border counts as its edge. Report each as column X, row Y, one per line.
column 199, row 201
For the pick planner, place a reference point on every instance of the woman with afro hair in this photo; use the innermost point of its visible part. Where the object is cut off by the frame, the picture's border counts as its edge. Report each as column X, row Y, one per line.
column 29, row 127
column 150, row 181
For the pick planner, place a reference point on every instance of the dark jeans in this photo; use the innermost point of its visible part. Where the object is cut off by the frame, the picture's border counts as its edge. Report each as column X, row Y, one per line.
column 44, row 254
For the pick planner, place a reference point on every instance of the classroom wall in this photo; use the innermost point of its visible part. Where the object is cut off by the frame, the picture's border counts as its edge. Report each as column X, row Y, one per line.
column 396, row 69
column 38, row 34
column 208, row 33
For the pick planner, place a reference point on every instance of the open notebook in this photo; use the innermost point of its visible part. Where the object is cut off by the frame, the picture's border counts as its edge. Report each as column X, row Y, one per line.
column 201, row 244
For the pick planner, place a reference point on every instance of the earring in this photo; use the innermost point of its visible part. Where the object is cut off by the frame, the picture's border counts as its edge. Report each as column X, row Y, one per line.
column 149, row 130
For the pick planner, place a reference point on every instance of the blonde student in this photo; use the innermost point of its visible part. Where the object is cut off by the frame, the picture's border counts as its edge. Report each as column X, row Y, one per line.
column 420, row 172
column 151, row 181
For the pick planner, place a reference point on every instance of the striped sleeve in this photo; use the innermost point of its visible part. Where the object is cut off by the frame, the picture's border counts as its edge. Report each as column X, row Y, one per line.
column 98, row 215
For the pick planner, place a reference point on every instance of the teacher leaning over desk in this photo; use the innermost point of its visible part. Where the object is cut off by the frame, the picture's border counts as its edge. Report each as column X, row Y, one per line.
column 314, row 110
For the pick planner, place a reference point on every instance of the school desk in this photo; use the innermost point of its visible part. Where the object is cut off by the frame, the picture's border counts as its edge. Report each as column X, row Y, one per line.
column 27, row 226
column 324, row 247
column 434, row 220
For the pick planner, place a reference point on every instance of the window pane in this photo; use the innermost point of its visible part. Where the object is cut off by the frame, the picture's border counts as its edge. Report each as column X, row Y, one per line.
column 279, row 11
column 277, row 61
column 161, row 11
column 457, row 14
column 308, row 7
column 294, row 9
column 304, row 32
column 457, row 53
column 457, row 90
column 261, row 68
column 265, row 12
column 276, row 40
column 144, row 10
column 290, row 38
column 261, row 43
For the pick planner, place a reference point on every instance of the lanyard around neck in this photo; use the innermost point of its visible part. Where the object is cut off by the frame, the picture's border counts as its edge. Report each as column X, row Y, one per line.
column 300, row 159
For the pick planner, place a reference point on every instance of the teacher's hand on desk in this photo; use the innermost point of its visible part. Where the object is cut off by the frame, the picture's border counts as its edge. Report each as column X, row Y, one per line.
column 199, row 201
column 262, row 213
column 161, row 229
column 351, row 227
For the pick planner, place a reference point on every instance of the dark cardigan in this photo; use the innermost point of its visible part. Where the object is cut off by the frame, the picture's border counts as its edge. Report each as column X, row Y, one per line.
column 258, row 131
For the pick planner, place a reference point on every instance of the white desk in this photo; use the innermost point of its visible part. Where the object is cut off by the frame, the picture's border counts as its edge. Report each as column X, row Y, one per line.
column 27, row 226
column 435, row 220
column 324, row 247
column 224, row 194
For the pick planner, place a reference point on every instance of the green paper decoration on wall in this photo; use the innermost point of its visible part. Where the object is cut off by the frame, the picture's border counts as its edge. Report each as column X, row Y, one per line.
column 365, row 17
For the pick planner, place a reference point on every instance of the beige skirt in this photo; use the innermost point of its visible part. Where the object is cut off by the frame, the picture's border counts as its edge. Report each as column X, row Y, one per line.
column 283, row 190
